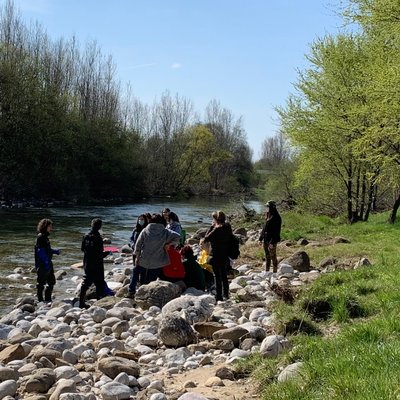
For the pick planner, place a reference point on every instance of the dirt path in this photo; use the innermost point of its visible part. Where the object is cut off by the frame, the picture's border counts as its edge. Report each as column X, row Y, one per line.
column 242, row 389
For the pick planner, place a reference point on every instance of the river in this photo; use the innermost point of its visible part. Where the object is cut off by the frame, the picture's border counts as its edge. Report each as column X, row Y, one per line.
column 18, row 234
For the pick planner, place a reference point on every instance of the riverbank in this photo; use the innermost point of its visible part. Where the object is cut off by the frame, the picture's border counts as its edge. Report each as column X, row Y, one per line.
column 343, row 329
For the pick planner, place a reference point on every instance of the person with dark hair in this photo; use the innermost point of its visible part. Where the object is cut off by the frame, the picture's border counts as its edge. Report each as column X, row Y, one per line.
column 151, row 251
column 194, row 275
column 219, row 236
column 43, row 260
column 173, row 223
column 141, row 223
column 165, row 213
column 271, row 235
column 93, row 250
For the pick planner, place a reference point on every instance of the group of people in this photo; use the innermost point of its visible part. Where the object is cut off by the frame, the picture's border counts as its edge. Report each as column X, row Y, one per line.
column 155, row 241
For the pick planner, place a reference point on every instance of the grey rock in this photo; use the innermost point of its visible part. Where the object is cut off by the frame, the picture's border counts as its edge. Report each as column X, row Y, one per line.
column 7, row 374
column 291, row 372
column 41, row 381
column 196, row 308
column 8, row 388
column 271, row 346
column 234, row 334
column 300, row 261
column 157, row 293
column 115, row 391
column 174, row 331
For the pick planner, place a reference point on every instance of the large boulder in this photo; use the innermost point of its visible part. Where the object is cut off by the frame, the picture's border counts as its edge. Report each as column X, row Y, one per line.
column 175, row 331
column 157, row 293
column 299, row 261
column 196, row 309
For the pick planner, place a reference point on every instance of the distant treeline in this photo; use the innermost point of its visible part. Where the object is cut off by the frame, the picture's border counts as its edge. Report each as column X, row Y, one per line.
column 68, row 129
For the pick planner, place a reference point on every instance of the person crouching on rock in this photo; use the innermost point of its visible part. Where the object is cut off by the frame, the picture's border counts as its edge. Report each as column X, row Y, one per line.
column 194, row 275
column 93, row 250
column 151, row 250
column 43, row 260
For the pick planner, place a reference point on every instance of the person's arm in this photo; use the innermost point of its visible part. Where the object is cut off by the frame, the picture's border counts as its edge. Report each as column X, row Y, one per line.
column 42, row 254
column 139, row 244
column 172, row 238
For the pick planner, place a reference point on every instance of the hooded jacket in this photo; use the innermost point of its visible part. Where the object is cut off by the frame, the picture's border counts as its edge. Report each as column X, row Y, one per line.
column 149, row 247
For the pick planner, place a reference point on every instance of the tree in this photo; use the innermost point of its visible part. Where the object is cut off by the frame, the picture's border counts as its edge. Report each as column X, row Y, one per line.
column 330, row 112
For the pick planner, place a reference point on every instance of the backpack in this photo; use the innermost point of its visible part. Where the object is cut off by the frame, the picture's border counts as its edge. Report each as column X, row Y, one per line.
column 233, row 249
column 175, row 269
column 182, row 240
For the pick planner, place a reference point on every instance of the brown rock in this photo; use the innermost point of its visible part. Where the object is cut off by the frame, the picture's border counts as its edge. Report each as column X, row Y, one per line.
column 41, row 381
column 21, row 337
column 233, row 334
column 112, row 366
column 11, row 353
column 207, row 329
column 225, row 373
column 129, row 355
column 221, row 344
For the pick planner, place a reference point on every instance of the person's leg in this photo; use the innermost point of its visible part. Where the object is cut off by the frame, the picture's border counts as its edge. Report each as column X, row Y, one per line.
column 100, row 283
column 224, row 278
column 87, row 282
column 41, row 280
column 272, row 254
column 267, row 257
column 152, row 274
column 51, row 281
column 218, row 281
column 134, row 279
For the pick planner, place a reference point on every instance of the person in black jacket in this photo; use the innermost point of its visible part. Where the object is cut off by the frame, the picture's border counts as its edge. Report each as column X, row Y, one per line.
column 219, row 237
column 43, row 260
column 93, row 249
column 271, row 235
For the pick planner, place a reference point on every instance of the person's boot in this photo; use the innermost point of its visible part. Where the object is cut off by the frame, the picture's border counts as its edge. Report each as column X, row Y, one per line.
column 47, row 294
column 82, row 296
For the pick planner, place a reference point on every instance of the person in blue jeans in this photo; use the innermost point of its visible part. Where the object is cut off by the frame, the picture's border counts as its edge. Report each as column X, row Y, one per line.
column 43, row 260
column 151, row 252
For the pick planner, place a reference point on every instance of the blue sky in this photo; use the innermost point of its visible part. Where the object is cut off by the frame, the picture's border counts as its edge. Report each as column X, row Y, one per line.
column 244, row 53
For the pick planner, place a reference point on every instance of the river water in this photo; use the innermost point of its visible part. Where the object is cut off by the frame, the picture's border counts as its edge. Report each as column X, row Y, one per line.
column 18, row 235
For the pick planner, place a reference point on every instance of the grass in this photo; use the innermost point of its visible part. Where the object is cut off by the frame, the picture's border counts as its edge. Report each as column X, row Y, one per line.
column 345, row 327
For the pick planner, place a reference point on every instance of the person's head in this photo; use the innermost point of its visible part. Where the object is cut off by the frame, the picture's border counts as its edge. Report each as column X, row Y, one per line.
column 219, row 217
column 187, row 251
column 45, row 225
column 141, row 221
column 172, row 217
column 148, row 216
column 96, row 224
column 157, row 219
column 270, row 207
column 165, row 213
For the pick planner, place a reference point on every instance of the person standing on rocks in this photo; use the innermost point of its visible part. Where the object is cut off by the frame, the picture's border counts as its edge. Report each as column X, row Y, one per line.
column 93, row 249
column 151, row 251
column 219, row 236
column 43, row 260
column 271, row 235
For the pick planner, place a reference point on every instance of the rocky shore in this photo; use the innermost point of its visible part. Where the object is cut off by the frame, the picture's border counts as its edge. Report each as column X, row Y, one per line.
column 170, row 343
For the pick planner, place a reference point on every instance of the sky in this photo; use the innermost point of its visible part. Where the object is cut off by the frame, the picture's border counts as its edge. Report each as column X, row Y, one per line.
column 244, row 53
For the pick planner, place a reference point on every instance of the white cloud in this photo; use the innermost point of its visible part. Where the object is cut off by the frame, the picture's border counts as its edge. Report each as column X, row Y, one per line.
column 176, row 65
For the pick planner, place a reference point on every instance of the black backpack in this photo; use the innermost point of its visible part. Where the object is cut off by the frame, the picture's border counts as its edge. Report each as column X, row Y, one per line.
column 233, row 250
